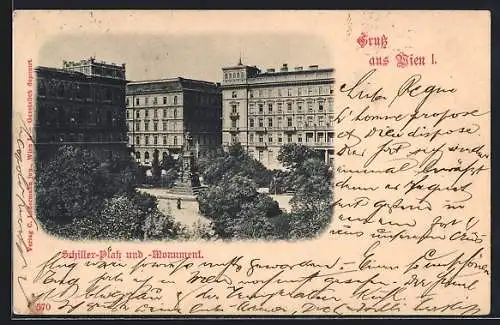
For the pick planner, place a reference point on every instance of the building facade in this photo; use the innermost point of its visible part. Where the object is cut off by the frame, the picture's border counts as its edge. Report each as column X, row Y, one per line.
column 161, row 114
column 265, row 110
column 81, row 104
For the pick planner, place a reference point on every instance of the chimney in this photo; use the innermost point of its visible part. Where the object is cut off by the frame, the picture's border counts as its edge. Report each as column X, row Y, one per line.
column 271, row 70
column 298, row 68
column 284, row 67
column 313, row 67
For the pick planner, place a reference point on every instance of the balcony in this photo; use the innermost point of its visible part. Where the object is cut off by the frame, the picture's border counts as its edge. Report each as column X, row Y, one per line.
column 324, row 127
column 290, row 129
column 261, row 145
column 234, row 115
column 234, row 129
column 260, row 129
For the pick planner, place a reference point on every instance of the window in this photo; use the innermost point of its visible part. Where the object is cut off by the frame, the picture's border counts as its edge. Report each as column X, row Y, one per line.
column 250, row 93
column 251, row 109
column 146, row 113
column 251, row 123
column 251, row 138
column 261, row 108
column 155, row 113
column 137, row 155
column 175, row 100
column 289, row 138
column 299, row 91
column 270, row 138
column 261, row 139
column 234, row 94
column 127, row 102
column 270, row 122
column 261, row 122
column 164, row 100
column 146, row 125
column 279, row 92
column 146, row 156
column 128, row 114
column 309, row 137
column 280, row 138
column 289, row 107
column 137, row 126
column 299, row 121
column 155, row 140
column 330, row 106
column 164, row 113
column 155, row 100
column 233, row 123
column 175, row 140
column 164, row 140
column 279, row 122
column 234, row 109
column 225, row 75
column 280, row 109
column 270, row 108
column 137, row 101
column 289, row 121
column 321, row 120
column 155, row 126
column 299, row 138
column 309, row 91
column 290, row 92
column 309, row 121
column 320, row 107
column 147, row 140
column 164, row 126
column 260, row 92
column 137, row 114
column 137, row 140
column 309, row 106
column 175, row 112
column 299, row 107
column 146, row 101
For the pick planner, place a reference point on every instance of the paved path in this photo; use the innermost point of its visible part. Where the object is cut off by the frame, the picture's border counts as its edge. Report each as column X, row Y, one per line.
column 187, row 215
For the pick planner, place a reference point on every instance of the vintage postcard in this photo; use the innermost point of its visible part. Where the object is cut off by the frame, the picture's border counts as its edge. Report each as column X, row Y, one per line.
column 274, row 163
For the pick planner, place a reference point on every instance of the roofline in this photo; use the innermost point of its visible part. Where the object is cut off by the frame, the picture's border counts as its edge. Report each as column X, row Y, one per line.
column 142, row 82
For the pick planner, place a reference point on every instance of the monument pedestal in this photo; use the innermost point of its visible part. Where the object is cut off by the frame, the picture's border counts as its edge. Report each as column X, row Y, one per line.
column 184, row 186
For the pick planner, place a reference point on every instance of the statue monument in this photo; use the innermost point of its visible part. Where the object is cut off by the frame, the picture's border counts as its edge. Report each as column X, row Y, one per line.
column 186, row 184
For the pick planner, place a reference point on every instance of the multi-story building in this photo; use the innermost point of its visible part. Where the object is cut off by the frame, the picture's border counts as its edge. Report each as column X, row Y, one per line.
column 162, row 113
column 81, row 104
column 265, row 110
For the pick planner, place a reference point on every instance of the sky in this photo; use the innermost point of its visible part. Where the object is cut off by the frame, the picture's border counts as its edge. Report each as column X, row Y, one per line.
column 202, row 57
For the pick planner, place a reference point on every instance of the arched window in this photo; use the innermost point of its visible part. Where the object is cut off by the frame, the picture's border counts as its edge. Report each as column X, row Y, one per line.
column 175, row 112
column 137, row 155
column 137, row 140
column 146, row 156
column 42, row 91
column 175, row 100
column 175, row 140
column 60, row 90
column 109, row 118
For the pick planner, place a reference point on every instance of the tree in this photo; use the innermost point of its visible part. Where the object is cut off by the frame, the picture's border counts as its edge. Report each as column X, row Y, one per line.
column 237, row 210
column 72, row 184
column 292, row 155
